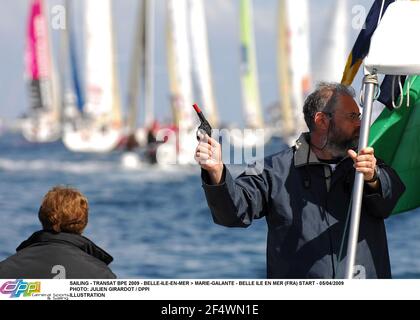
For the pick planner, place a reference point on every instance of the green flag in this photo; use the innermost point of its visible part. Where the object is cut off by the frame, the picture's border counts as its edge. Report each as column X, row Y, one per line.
column 395, row 136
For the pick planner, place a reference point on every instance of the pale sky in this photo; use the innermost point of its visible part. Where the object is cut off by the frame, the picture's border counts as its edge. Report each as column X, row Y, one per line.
column 223, row 29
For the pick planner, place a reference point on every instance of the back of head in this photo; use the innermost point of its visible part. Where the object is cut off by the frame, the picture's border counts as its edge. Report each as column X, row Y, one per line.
column 64, row 209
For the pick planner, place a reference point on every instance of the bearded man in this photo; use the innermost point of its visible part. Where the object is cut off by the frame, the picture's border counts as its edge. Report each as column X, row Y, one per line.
column 304, row 193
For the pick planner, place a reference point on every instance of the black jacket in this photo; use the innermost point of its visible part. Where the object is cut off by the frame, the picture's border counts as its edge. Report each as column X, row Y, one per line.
column 305, row 205
column 47, row 255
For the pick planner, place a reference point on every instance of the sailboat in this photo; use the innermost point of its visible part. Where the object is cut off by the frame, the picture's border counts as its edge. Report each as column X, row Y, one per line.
column 249, row 82
column 176, row 150
column 42, row 123
column 100, row 128
column 293, row 66
column 189, row 78
column 141, row 82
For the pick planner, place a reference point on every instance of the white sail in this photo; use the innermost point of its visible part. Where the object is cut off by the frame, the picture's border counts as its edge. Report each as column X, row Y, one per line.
column 201, row 61
column 299, row 73
column 179, row 63
column 101, row 129
column 179, row 150
column 101, row 97
column 334, row 45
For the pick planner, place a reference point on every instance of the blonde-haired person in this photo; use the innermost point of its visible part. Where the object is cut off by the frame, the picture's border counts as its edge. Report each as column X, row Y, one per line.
column 59, row 250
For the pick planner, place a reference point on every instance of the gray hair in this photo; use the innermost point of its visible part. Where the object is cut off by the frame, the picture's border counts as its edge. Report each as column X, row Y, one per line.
column 324, row 99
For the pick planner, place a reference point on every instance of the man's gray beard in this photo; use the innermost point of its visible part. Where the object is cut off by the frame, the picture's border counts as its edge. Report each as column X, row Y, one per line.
column 339, row 148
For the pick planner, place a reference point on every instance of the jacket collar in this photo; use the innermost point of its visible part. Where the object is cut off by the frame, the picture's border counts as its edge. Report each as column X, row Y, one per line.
column 302, row 149
column 301, row 153
column 72, row 239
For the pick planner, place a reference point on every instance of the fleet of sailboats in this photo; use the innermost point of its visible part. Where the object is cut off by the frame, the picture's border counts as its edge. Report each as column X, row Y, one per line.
column 94, row 122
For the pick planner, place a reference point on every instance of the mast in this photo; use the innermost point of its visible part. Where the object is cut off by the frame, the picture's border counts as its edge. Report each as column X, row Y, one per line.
column 77, row 87
column 141, row 74
column 70, row 99
column 116, row 101
column 283, row 67
column 249, row 73
column 66, row 94
column 149, row 62
column 136, row 70
column 54, row 82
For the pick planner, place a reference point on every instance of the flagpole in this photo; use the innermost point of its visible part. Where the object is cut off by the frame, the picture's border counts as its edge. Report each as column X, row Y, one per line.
column 370, row 83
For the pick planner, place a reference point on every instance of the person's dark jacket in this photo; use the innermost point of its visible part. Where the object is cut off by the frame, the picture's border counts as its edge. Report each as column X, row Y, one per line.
column 306, row 205
column 47, row 255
